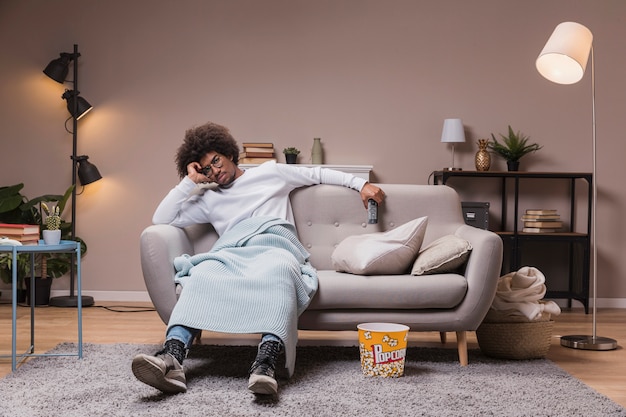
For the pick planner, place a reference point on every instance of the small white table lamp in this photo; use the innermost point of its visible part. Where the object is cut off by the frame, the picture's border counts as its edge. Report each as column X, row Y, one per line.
column 453, row 133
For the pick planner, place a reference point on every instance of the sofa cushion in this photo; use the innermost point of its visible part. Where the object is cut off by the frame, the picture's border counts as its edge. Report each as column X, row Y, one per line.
column 390, row 252
column 445, row 254
column 397, row 292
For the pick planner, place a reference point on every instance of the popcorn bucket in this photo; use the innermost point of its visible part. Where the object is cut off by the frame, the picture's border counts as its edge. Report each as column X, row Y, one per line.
column 383, row 348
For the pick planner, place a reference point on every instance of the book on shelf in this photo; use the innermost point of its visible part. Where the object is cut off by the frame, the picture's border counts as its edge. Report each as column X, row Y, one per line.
column 554, row 224
column 20, row 237
column 18, row 229
column 257, row 145
column 248, row 154
column 540, row 217
column 30, row 242
column 258, row 149
column 255, row 160
column 541, row 211
column 538, row 230
column 24, row 240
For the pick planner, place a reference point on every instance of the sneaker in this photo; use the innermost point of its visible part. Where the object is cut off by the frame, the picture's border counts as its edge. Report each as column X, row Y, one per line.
column 161, row 371
column 262, row 372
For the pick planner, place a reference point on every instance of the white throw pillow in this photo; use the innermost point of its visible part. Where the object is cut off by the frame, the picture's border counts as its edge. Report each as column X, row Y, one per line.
column 382, row 253
column 445, row 254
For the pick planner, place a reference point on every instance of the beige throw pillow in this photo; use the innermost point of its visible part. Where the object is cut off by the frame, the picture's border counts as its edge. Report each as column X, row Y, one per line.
column 445, row 254
column 382, row 253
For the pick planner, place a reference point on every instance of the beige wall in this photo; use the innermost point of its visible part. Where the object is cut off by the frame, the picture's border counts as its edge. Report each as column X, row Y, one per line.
column 373, row 79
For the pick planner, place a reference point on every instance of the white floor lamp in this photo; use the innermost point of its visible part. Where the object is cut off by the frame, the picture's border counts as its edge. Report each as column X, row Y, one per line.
column 563, row 60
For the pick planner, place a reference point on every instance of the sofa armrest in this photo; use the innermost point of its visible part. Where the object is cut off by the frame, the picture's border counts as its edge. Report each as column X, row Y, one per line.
column 482, row 270
column 159, row 245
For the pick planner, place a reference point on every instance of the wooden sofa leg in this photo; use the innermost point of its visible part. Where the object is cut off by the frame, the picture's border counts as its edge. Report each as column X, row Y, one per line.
column 461, row 344
column 442, row 337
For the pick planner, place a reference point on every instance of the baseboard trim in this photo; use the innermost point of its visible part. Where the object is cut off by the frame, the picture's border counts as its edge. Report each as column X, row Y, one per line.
column 142, row 296
column 602, row 303
column 110, row 296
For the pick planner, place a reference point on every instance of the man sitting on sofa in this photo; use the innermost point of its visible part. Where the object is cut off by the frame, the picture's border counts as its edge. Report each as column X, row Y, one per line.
column 257, row 278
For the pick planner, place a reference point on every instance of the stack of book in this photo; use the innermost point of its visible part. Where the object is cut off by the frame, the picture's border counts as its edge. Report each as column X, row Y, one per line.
column 26, row 234
column 257, row 153
column 541, row 221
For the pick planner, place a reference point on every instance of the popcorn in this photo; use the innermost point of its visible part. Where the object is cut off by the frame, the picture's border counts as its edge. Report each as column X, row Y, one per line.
column 382, row 349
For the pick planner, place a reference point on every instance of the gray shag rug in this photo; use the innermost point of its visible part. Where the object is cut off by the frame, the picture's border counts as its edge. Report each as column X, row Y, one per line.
column 327, row 382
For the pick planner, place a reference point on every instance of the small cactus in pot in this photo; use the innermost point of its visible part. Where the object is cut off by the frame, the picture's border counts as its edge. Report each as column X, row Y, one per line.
column 53, row 219
column 52, row 234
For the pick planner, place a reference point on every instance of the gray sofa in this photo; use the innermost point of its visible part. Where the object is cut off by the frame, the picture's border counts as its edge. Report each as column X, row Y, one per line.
column 324, row 216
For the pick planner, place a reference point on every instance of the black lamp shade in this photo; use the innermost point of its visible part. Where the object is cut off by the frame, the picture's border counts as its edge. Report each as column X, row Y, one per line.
column 87, row 172
column 58, row 68
column 82, row 106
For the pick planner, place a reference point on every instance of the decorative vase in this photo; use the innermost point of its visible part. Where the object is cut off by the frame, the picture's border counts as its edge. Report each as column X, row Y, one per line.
column 291, row 158
column 52, row 237
column 482, row 160
column 512, row 165
column 317, row 154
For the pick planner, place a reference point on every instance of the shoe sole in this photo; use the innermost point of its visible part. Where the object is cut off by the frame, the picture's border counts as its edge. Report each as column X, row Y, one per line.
column 262, row 384
column 151, row 374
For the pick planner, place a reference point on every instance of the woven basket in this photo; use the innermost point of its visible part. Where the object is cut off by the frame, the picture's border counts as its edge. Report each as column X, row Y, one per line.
column 515, row 340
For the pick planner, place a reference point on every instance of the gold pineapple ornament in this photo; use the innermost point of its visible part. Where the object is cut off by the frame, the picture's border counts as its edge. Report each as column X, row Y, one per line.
column 482, row 160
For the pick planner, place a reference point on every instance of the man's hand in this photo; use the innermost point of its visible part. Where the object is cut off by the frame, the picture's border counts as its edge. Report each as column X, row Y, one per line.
column 371, row 192
column 194, row 174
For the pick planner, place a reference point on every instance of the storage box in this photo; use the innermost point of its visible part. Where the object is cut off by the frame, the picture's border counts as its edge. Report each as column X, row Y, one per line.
column 476, row 214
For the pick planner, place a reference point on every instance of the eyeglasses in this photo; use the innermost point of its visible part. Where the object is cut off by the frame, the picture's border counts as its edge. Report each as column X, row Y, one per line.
column 216, row 162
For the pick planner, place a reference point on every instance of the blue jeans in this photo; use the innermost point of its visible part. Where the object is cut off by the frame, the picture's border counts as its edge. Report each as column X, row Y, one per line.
column 187, row 334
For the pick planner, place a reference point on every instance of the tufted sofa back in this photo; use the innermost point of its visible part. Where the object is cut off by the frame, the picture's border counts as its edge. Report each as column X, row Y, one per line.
column 326, row 214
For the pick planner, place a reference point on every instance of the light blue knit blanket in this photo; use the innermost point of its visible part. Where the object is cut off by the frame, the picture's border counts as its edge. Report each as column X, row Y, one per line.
column 256, row 279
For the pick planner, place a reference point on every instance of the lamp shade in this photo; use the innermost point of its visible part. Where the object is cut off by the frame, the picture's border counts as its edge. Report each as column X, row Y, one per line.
column 87, row 172
column 58, row 68
column 564, row 57
column 453, row 131
column 82, row 106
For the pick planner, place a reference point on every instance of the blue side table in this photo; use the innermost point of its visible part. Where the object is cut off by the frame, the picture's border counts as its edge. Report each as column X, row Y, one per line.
column 65, row 246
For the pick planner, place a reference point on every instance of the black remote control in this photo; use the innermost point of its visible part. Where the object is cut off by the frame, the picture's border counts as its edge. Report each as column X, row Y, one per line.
column 372, row 212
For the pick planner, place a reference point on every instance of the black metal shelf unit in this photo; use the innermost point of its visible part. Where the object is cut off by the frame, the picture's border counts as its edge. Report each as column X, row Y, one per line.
column 518, row 244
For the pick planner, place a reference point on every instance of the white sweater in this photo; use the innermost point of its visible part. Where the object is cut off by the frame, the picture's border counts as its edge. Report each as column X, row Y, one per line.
column 260, row 191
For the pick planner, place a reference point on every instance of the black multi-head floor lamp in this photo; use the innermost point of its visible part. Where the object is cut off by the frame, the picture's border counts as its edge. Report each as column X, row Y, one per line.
column 87, row 172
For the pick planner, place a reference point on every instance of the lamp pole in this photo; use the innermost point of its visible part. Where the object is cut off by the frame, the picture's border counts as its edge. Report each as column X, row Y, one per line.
column 563, row 61
column 593, row 341
column 72, row 300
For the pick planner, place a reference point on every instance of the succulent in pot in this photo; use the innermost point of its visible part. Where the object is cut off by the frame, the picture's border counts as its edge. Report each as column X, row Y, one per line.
column 291, row 155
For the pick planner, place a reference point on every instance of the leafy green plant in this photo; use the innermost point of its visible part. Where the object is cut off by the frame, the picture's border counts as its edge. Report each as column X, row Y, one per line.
column 291, row 151
column 514, row 145
column 17, row 208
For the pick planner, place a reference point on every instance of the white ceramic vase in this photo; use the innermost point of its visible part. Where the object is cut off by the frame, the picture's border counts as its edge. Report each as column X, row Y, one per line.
column 51, row 237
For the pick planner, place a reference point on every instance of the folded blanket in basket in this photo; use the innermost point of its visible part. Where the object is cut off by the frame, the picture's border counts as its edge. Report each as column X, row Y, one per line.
column 519, row 293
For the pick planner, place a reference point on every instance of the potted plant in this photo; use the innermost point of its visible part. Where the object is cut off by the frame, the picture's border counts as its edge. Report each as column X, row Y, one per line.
column 291, row 155
column 52, row 233
column 16, row 208
column 514, row 146
column 13, row 210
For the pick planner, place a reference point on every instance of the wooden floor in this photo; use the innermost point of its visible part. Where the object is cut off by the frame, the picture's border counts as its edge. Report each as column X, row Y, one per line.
column 602, row 370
